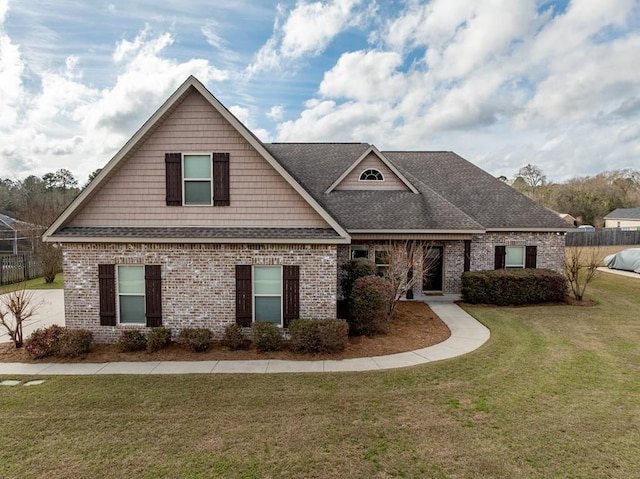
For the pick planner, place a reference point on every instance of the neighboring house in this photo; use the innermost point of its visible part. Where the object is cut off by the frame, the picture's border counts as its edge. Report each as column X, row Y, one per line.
column 625, row 218
column 196, row 222
column 568, row 218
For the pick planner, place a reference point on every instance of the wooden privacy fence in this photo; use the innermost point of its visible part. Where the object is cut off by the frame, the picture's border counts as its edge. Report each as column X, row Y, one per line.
column 19, row 267
column 604, row 237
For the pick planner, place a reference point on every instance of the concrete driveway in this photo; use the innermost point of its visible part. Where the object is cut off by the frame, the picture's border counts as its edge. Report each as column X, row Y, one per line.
column 50, row 311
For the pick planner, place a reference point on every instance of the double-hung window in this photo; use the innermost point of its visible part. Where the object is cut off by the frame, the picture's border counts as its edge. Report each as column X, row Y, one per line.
column 198, row 179
column 131, row 294
column 514, row 257
column 381, row 258
column 267, row 294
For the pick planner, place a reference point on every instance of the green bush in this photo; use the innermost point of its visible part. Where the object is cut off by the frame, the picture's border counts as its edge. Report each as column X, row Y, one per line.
column 74, row 342
column 132, row 340
column 44, row 342
column 513, row 287
column 353, row 270
column 198, row 339
column 158, row 338
column 58, row 341
column 266, row 336
column 319, row 335
column 234, row 338
column 369, row 306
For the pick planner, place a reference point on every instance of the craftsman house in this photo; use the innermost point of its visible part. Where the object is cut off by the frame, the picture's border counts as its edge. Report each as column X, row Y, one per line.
column 196, row 222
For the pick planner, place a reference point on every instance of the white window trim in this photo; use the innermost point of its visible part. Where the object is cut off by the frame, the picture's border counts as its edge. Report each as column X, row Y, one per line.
column 255, row 295
column 515, row 266
column 373, row 169
column 185, row 179
column 118, row 294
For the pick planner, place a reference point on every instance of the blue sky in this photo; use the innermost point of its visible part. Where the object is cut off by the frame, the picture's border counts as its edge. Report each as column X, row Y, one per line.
column 501, row 82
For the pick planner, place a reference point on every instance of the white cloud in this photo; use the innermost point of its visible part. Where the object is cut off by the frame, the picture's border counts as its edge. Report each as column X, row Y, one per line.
column 307, row 30
column 276, row 113
column 365, row 76
column 70, row 124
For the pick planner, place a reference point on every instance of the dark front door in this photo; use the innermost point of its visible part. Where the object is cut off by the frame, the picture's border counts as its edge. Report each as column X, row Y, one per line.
column 433, row 269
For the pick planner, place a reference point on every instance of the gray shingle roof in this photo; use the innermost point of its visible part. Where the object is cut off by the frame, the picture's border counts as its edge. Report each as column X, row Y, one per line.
column 624, row 214
column 454, row 194
column 195, row 232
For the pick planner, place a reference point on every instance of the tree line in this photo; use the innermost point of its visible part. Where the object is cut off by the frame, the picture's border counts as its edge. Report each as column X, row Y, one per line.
column 586, row 198
column 39, row 201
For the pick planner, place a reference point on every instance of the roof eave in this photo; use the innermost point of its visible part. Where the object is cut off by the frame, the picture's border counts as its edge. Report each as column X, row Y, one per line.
column 531, row 230
column 193, row 240
column 416, row 231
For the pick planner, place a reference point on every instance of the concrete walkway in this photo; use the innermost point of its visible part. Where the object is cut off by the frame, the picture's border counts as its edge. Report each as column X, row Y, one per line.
column 467, row 334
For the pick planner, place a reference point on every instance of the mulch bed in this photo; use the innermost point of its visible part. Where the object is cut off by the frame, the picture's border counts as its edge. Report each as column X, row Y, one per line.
column 413, row 326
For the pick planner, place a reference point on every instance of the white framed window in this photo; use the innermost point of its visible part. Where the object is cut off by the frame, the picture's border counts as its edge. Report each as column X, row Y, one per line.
column 131, row 290
column 267, row 294
column 514, row 257
column 371, row 174
column 358, row 251
column 197, row 178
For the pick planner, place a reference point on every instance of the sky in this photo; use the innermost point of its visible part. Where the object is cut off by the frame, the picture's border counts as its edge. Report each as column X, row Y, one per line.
column 503, row 83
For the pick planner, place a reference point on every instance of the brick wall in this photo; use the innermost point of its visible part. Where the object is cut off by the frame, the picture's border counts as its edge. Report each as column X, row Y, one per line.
column 550, row 254
column 198, row 281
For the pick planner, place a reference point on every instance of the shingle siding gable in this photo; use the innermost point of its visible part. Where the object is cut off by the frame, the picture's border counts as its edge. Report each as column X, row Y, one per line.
column 135, row 195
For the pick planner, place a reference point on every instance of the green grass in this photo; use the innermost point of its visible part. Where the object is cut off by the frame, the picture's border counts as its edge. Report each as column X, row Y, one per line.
column 553, row 394
column 36, row 283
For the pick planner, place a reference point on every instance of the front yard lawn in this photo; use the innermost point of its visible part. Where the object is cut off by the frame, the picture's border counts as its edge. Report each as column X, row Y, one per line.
column 553, row 394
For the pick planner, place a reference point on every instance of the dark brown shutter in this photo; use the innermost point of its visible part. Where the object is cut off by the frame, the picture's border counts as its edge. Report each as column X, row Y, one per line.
column 467, row 255
column 244, row 298
column 530, row 256
column 153, row 295
column 173, row 165
column 291, row 291
column 501, row 253
column 221, row 179
column 107, row 286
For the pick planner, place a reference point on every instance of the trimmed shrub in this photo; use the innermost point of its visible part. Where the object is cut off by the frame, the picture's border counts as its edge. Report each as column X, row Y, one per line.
column 369, row 306
column 351, row 271
column 74, row 342
column 58, row 341
column 318, row 335
column 158, row 338
column 513, row 287
column 132, row 340
column 266, row 336
column 234, row 338
column 44, row 342
column 198, row 339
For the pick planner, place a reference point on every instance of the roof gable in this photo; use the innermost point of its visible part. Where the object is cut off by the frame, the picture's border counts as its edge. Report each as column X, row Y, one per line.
column 168, row 111
column 372, row 158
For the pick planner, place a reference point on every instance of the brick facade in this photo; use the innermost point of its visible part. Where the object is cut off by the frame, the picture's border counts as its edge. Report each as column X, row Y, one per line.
column 198, row 281
column 550, row 254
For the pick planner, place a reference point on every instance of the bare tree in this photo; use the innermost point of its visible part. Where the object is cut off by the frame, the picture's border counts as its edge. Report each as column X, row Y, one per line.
column 16, row 308
column 403, row 260
column 580, row 268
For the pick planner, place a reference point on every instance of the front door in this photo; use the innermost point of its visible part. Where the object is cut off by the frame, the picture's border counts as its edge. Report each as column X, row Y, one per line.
column 433, row 269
